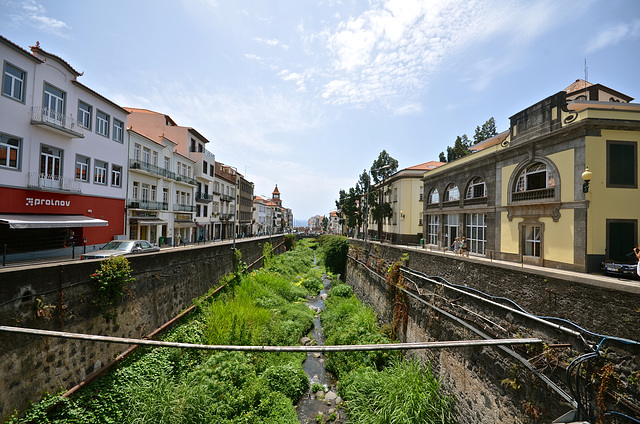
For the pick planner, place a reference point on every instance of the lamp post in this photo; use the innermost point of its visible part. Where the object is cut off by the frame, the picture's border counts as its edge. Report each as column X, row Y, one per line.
column 586, row 177
column 366, row 222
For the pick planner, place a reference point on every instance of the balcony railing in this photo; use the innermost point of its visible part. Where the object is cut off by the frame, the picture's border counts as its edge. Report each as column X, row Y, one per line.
column 184, row 208
column 186, row 179
column 153, row 169
column 226, row 198
column 541, row 193
column 57, row 121
column 139, row 204
column 226, row 216
column 54, row 182
column 204, row 197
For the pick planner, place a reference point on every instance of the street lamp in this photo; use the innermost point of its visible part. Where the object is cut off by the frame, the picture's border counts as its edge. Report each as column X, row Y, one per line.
column 586, row 177
column 366, row 222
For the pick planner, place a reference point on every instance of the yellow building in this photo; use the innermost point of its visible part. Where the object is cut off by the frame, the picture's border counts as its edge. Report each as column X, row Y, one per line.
column 521, row 195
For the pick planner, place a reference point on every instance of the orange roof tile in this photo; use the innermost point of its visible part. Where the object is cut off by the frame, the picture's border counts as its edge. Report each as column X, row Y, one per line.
column 427, row 166
column 490, row 142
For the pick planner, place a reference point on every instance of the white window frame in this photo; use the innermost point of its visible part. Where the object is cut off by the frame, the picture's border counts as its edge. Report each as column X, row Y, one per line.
column 52, row 162
column 432, row 229
column 102, row 123
column 116, row 176
column 136, row 152
column 118, row 130
column 434, row 196
column 452, row 193
column 13, row 86
column 476, row 232
column 533, row 240
column 53, row 105
column 476, row 185
column 165, row 195
column 144, row 192
column 146, row 155
column 136, row 190
column 83, row 163
column 535, row 168
column 100, row 172
column 84, row 115
column 8, row 150
column 154, row 190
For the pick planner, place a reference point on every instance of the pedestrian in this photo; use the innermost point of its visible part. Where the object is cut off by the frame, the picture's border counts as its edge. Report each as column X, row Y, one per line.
column 456, row 246
column 636, row 251
column 465, row 247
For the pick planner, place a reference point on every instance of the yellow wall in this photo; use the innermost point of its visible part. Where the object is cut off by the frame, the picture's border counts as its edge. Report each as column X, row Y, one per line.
column 506, row 174
column 607, row 203
column 558, row 238
column 509, row 242
column 564, row 161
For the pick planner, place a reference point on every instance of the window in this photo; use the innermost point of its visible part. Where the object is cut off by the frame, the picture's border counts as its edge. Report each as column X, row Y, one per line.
column 450, row 229
column 622, row 165
column 432, row 229
column 50, row 163
column 154, row 159
column 82, row 168
column 9, row 151
column 100, row 172
column 477, row 188
column 153, row 193
column 118, row 130
column 116, row 176
column 102, row 123
column 146, row 155
column 165, row 195
column 136, row 190
column 452, row 194
column 205, row 166
column 53, row 105
column 532, row 241
column 145, row 192
column 211, row 170
column 167, row 163
column 13, row 82
column 84, row 115
column 477, row 232
column 136, row 152
column 535, row 177
column 434, row 197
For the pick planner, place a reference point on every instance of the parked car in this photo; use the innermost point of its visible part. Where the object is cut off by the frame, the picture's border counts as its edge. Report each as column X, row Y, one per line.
column 121, row 247
column 621, row 267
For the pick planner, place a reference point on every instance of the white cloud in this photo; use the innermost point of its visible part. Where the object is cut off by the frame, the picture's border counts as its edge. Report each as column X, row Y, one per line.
column 269, row 42
column 612, row 36
column 31, row 13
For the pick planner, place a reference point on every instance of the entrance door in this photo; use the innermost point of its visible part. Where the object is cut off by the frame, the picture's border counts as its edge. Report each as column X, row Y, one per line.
column 621, row 238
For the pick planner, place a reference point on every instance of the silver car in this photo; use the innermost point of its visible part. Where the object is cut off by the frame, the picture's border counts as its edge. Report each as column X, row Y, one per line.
column 121, row 247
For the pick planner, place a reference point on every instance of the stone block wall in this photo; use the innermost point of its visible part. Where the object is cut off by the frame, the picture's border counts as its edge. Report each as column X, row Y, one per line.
column 58, row 297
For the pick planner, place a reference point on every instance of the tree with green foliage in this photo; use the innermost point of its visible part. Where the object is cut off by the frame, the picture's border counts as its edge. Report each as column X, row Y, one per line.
column 485, row 132
column 334, row 250
column 382, row 168
column 462, row 144
column 325, row 223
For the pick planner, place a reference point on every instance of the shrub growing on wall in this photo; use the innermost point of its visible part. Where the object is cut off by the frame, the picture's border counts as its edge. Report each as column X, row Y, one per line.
column 335, row 250
column 110, row 280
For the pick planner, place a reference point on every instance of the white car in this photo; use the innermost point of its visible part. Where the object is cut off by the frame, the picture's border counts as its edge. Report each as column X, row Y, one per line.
column 120, row 248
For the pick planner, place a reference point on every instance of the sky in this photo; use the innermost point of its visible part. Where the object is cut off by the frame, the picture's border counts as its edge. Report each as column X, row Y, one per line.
column 305, row 94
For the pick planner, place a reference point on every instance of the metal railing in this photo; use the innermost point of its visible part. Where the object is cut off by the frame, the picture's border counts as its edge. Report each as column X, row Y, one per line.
column 184, row 208
column 54, row 182
column 147, row 167
column 226, row 216
column 226, row 198
column 139, row 204
column 186, row 179
column 204, row 196
column 52, row 118
column 541, row 193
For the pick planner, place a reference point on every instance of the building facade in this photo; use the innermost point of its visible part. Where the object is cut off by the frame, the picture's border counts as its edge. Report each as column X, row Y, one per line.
column 63, row 156
column 522, row 196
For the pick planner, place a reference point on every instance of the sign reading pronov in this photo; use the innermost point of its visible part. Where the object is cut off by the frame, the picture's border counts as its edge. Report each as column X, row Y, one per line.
column 47, row 202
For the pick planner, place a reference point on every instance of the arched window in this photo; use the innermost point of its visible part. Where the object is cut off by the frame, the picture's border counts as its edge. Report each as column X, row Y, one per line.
column 536, row 181
column 535, row 177
column 452, row 193
column 477, row 188
column 434, row 196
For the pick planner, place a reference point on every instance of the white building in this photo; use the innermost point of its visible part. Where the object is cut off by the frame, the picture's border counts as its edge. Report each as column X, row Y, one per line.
column 160, row 191
column 62, row 155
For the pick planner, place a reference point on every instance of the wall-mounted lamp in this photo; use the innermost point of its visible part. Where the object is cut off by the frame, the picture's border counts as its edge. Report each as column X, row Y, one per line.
column 402, row 214
column 586, row 176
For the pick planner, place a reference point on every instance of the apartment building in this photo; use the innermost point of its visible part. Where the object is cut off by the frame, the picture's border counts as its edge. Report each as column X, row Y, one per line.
column 63, row 156
column 245, row 206
column 227, row 183
column 160, row 191
column 558, row 189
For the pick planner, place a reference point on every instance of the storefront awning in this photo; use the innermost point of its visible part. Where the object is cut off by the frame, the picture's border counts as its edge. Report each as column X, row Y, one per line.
column 23, row 222
column 151, row 221
column 184, row 223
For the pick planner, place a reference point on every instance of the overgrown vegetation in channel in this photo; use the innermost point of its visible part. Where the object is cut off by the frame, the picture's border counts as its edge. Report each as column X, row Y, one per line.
column 166, row 385
column 378, row 386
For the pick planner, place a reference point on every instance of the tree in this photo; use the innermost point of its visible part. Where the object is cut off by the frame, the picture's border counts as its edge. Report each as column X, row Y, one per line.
column 382, row 168
column 325, row 223
column 485, row 132
column 442, row 158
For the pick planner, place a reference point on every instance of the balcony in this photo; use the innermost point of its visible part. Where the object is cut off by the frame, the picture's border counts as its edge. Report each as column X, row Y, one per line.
column 185, row 179
column 139, row 204
column 226, row 216
column 54, row 182
column 184, row 208
column 56, row 122
column 204, row 197
column 226, row 198
column 153, row 169
column 542, row 193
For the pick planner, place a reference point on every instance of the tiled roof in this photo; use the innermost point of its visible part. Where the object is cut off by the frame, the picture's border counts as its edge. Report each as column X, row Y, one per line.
column 580, row 84
column 427, row 166
column 490, row 142
column 37, row 50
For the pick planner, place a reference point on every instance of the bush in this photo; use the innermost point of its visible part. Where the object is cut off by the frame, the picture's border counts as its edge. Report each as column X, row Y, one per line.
column 110, row 280
column 289, row 379
column 289, row 241
column 335, row 249
column 342, row 290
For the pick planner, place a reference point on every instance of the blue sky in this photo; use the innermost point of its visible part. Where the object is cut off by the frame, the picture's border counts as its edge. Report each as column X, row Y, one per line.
column 306, row 94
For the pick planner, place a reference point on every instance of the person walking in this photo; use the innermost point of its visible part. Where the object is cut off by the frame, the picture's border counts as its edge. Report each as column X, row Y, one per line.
column 464, row 247
column 636, row 251
column 456, row 246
